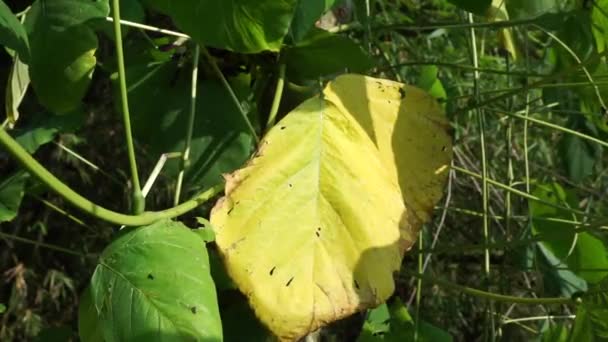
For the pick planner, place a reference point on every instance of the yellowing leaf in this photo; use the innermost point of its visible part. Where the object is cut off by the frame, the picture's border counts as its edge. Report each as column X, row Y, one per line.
column 314, row 227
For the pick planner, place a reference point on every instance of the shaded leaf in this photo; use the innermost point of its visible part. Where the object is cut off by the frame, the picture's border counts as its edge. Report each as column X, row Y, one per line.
column 153, row 283
column 585, row 254
column 554, row 332
column 306, row 14
column 2, row 308
column 63, row 50
column 11, row 194
column 520, row 9
column 238, row 25
column 591, row 323
column 558, row 279
column 479, row 7
column 12, row 33
column 338, row 53
column 160, row 102
column 599, row 23
column 239, row 321
column 89, row 326
column 579, row 157
column 43, row 129
column 314, row 232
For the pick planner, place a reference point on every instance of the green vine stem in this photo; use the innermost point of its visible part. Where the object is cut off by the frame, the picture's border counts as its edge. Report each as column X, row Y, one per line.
column 278, row 95
column 139, row 203
column 186, row 153
column 493, row 296
column 48, row 179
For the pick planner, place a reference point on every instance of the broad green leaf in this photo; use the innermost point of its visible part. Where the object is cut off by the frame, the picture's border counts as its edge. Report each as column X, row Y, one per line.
column 18, row 82
column 153, row 283
column 338, row 53
column 11, row 193
column 237, row 25
column 306, row 14
column 12, row 33
column 591, row 323
column 89, row 326
column 585, row 254
column 479, row 7
column 315, row 225
column 160, row 103
column 2, row 308
column 63, row 50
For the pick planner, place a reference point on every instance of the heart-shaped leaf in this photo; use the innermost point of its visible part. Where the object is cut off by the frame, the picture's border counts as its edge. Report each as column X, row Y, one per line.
column 314, row 227
column 153, row 283
column 63, row 50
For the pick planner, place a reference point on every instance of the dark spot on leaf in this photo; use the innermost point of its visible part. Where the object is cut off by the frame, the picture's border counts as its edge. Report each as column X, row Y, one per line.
column 272, row 270
column 230, row 210
column 193, row 309
column 289, row 282
column 444, row 148
column 357, row 285
column 150, row 276
column 402, row 93
column 283, row 127
column 290, row 185
column 318, row 235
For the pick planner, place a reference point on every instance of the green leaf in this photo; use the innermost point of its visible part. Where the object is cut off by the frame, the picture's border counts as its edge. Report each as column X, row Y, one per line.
column 63, row 50
column 2, row 308
column 558, row 279
column 301, row 233
column 18, row 82
column 599, row 24
column 89, row 326
column 553, row 332
column 429, row 82
column 43, row 128
column 591, row 324
column 337, row 53
column 479, row 7
column 12, row 33
column 580, row 157
column 585, row 254
column 394, row 323
column 130, row 10
column 237, row 25
column 519, row 9
column 307, row 13
column 160, row 105
column 11, row 194
column 153, row 283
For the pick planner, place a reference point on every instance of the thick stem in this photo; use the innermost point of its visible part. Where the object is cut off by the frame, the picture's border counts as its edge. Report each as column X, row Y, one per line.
column 48, row 179
column 139, row 203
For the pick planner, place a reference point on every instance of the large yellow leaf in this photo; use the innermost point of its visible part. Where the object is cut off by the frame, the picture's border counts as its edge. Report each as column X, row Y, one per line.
column 313, row 228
